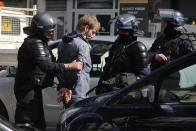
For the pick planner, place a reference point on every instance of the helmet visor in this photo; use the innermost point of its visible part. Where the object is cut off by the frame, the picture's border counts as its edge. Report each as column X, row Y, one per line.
column 47, row 28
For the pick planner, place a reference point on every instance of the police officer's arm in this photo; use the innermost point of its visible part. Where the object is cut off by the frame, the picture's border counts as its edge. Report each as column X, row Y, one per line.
column 74, row 65
column 43, row 61
column 185, row 47
column 154, row 52
column 141, row 60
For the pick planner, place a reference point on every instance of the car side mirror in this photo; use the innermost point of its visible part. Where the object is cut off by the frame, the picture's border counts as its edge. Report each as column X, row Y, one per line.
column 11, row 71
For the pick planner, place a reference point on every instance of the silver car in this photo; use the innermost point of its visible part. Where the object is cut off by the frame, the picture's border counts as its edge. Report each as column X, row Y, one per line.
column 52, row 109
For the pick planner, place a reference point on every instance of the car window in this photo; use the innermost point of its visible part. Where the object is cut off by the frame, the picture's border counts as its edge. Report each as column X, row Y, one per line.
column 179, row 86
column 142, row 94
column 99, row 52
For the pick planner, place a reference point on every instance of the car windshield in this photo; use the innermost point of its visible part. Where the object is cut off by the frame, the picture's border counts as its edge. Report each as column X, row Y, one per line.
column 180, row 84
column 99, row 52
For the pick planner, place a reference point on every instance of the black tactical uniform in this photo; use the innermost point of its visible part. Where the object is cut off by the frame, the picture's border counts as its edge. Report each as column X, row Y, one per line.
column 128, row 58
column 36, row 69
column 173, row 42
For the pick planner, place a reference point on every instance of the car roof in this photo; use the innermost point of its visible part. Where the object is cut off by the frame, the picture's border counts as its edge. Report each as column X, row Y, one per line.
column 146, row 40
column 105, row 38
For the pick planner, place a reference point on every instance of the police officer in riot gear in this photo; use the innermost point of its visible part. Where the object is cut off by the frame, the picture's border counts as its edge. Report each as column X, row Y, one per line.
column 128, row 58
column 36, row 69
column 173, row 42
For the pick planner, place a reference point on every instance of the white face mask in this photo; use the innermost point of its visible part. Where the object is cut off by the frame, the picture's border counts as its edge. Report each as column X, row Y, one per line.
column 84, row 36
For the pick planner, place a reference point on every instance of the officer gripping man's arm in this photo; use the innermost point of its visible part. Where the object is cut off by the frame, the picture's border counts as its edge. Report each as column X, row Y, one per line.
column 36, row 70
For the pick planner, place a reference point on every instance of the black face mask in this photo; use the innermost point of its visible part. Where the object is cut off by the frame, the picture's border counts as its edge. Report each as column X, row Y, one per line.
column 124, row 37
column 170, row 31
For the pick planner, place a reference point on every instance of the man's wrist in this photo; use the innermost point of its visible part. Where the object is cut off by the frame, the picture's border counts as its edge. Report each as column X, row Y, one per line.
column 67, row 66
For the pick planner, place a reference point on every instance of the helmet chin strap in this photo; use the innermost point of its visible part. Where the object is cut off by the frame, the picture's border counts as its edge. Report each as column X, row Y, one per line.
column 42, row 36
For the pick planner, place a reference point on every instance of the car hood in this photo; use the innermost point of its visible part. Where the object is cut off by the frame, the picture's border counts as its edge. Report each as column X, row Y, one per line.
column 85, row 105
column 101, row 99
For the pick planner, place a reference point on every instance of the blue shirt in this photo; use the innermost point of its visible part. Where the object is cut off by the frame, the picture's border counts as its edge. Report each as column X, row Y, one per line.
column 74, row 46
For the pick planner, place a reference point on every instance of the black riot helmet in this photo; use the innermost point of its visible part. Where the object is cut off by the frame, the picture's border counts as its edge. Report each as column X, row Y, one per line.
column 41, row 22
column 172, row 17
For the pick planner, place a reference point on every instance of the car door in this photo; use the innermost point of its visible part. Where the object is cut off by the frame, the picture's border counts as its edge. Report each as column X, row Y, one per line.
column 177, row 98
column 171, row 108
column 129, row 111
column 52, row 108
column 174, row 104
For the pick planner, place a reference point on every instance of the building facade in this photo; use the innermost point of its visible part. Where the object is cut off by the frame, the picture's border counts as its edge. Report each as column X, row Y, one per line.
column 67, row 12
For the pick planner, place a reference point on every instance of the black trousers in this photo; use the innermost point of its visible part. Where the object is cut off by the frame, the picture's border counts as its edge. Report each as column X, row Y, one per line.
column 29, row 109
